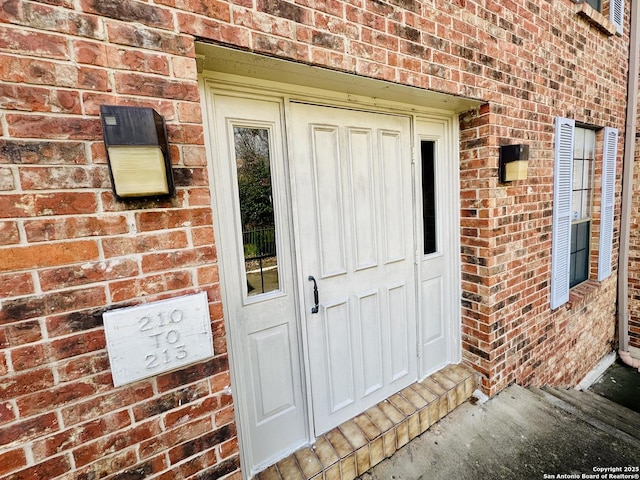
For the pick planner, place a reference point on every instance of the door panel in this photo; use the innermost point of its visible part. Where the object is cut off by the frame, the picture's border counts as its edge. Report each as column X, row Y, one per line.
column 339, row 356
column 395, row 197
column 255, row 251
column 432, row 314
column 372, row 357
column 401, row 333
column 362, row 198
column 353, row 184
column 272, row 372
column 328, row 200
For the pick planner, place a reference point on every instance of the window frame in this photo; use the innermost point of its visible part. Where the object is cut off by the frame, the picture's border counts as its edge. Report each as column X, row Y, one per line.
column 605, row 164
column 577, row 223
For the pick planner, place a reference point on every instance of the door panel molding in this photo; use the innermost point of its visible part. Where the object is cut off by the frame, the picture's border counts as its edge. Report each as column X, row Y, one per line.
column 329, row 205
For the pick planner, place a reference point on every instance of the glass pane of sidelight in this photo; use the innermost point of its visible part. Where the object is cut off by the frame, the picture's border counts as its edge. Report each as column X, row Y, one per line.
column 256, row 209
column 427, row 151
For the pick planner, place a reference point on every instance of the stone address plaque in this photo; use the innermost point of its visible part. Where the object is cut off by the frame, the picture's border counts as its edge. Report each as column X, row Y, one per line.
column 153, row 338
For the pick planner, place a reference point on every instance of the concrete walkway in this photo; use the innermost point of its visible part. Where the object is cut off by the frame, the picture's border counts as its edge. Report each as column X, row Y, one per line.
column 519, row 434
column 621, row 384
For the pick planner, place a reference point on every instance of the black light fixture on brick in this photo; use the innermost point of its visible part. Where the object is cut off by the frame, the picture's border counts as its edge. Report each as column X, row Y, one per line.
column 513, row 162
column 137, row 152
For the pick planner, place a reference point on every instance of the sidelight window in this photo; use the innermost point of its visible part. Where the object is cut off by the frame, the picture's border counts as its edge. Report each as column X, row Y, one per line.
column 252, row 155
column 427, row 149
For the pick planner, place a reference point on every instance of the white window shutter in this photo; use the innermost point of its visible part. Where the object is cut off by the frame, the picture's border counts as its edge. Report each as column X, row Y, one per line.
column 607, row 201
column 562, row 184
column 616, row 14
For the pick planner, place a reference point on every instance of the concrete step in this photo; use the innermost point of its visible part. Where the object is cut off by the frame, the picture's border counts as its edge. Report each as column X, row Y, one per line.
column 619, row 415
column 520, row 433
column 602, row 409
column 595, row 410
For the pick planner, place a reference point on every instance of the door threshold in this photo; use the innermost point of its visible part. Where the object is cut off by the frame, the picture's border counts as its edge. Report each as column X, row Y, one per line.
column 359, row 444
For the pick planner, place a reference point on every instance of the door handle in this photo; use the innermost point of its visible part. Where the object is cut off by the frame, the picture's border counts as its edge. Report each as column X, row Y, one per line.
column 314, row 309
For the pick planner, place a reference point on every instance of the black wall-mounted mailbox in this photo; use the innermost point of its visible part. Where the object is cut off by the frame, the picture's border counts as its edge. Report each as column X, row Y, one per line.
column 137, row 152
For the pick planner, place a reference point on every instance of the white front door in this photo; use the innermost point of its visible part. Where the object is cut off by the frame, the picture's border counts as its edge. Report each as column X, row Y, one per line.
column 254, row 238
column 354, row 206
column 340, row 201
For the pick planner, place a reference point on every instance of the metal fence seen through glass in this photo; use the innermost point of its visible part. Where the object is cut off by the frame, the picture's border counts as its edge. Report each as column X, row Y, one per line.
column 255, row 192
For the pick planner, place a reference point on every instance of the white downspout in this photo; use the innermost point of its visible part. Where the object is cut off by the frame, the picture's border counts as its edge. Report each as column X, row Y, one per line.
column 628, row 189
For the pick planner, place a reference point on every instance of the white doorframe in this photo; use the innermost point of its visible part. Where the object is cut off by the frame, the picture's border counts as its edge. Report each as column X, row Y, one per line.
column 287, row 92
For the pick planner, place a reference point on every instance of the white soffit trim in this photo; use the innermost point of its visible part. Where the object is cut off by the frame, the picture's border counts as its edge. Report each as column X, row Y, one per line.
column 236, row 62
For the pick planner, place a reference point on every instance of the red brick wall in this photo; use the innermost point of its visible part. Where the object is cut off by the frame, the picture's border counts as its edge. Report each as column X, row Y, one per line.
column 553, row 65
column 68, row 250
